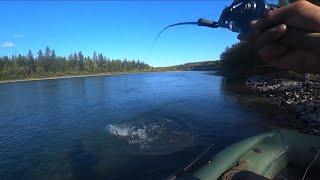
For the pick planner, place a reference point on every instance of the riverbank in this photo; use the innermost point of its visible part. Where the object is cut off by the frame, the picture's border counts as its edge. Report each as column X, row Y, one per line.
column 294, row 93
column 69, row 76
column 80, row 76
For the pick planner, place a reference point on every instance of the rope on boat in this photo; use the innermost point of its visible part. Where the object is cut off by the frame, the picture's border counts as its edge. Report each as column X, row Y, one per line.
column 311, row 163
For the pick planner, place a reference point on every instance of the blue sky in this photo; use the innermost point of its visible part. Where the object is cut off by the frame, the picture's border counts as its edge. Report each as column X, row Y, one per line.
column 118, row 29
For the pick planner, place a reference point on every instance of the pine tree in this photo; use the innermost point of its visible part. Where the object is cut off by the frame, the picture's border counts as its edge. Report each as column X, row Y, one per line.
column 47, row 52
column 95, row 57
column 81, row 61
column 31, row 62
column 30, row 55
column 40, row 54
column 53, row 54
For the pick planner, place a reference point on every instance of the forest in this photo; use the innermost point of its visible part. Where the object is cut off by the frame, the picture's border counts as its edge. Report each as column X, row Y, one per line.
column 47, row 64
column 238, row 58
column 194, row 66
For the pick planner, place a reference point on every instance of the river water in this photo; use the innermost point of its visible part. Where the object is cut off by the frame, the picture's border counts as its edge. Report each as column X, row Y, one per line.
column 136, row 126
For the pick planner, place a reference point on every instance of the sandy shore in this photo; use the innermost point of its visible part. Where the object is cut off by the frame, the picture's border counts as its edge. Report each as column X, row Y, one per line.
column 66, row 77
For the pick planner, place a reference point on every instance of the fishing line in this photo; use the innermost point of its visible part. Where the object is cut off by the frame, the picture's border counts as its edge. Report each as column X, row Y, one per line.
column 311, row 163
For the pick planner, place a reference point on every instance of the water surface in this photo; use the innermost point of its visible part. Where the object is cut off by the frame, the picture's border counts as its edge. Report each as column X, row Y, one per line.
column 138, row 126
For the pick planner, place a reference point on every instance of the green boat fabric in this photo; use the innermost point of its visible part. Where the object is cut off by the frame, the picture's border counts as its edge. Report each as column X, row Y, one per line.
column 266, row 154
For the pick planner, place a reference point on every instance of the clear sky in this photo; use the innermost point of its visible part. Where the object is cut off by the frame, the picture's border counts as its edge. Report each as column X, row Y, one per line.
column 118, row 29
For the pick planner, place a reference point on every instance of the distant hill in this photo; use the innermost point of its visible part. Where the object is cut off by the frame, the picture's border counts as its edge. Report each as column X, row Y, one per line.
column 195, row 66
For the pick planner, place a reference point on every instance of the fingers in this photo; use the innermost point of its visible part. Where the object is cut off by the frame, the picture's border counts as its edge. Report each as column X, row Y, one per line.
column 273, row 17
column 285, row 15
column 291, row 38
column 294, row 50
column 271, row 52
column 300, row 14
column 271, row 35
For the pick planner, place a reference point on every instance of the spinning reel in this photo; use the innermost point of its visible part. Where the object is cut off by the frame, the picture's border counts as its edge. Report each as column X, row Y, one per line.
column 239, row 14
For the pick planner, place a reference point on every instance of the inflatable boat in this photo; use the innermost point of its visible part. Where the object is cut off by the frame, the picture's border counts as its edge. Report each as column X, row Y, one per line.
column 265, row 155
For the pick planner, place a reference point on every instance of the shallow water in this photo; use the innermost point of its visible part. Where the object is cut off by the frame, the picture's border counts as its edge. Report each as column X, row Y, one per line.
column 138, row 126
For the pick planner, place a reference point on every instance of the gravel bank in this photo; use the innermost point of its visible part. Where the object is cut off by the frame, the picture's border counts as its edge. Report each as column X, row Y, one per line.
column 300, row 94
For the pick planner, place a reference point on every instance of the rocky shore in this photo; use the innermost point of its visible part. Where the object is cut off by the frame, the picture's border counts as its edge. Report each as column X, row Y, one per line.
column 298, row 93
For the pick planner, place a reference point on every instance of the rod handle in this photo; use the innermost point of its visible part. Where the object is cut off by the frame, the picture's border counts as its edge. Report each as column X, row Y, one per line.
column 207, row 23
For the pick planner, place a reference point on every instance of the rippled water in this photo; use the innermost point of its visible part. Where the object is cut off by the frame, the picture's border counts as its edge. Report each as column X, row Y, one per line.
column 140, row 126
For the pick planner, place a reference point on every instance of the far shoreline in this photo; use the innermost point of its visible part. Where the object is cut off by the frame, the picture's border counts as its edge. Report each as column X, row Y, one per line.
column 196, row 66
column 69, row 77
column 77, row 76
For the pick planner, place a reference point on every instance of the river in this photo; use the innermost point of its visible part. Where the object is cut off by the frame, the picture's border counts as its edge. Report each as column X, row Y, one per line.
column 135, row 126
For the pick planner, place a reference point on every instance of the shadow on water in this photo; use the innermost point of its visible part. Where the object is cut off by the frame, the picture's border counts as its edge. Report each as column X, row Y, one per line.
column 82, row 161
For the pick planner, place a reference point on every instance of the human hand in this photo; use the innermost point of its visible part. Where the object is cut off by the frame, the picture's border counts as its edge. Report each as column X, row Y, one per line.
column 289, row 37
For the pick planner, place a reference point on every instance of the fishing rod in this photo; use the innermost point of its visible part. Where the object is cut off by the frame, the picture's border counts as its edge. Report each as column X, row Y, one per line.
column 236, row 17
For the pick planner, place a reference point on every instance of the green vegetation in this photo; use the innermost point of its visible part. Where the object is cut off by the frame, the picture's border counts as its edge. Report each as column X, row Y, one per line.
column 47, row 64
column 196, row 66
column 240, row 58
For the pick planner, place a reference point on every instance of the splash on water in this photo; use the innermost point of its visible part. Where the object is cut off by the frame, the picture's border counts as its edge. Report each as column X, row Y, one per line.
column 153, row 134
column 126, row 131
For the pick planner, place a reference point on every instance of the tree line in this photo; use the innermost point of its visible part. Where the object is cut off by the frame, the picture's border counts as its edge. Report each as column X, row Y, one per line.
column 240, row 58
column 194, row 66
column 47, row 63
